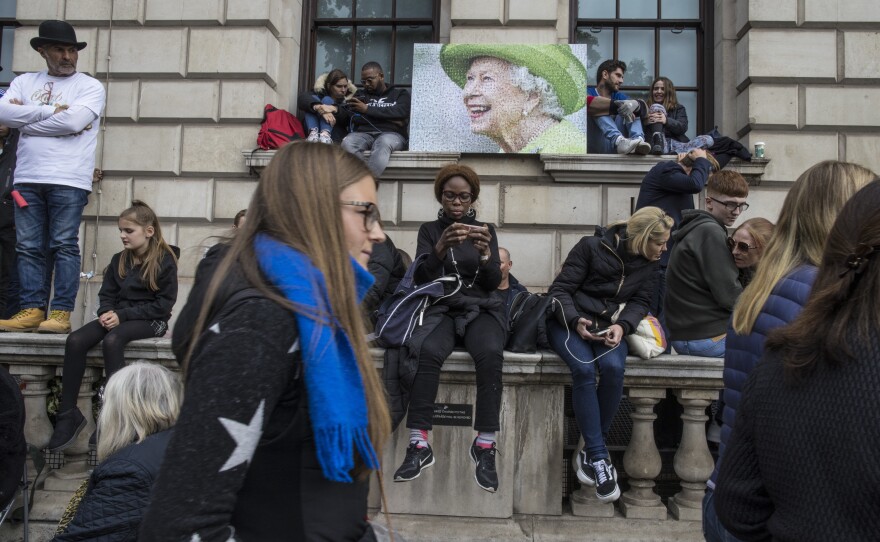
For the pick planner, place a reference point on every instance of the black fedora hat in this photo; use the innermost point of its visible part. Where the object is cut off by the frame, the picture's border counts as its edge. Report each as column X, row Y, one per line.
column 56, row 32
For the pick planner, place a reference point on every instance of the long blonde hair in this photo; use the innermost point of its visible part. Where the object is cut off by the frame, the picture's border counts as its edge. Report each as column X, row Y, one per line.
column 141, row 214
column 807, row 215
column 139, row 400
column 297, row 203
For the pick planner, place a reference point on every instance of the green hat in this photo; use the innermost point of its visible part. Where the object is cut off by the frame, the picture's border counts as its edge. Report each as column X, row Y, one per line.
column 554, row 63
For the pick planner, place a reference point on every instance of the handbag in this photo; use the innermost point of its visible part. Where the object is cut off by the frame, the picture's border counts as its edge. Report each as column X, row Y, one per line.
column 648, row 340
column 527, row 323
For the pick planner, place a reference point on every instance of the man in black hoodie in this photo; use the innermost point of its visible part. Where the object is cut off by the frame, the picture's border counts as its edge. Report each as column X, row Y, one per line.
column 702, row 280
column 378, row 118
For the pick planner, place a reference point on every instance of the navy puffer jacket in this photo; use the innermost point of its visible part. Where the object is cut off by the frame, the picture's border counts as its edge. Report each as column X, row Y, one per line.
column 743, row 352
column 118, row 493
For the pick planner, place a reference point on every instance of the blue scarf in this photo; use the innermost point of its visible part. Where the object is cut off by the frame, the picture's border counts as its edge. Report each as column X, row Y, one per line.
column 337, row 404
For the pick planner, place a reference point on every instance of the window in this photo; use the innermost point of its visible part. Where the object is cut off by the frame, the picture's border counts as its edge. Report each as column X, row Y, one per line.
column 346, row 34
column 655, row 38
column 7, row 35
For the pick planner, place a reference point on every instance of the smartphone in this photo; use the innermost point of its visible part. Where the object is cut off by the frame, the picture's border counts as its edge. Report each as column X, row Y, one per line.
column 473, row 227
column 601, row 332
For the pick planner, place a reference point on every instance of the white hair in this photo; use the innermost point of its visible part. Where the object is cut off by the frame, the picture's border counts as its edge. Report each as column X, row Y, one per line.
column 139, row 400
column 528, row 82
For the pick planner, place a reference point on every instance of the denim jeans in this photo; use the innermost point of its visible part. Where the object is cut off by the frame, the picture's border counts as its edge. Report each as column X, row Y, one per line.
column 316, row 121
column 712, row 348
column 54, row 212
column 603, row 131
column 380, row 146
column 713, row 530
column 594, row 406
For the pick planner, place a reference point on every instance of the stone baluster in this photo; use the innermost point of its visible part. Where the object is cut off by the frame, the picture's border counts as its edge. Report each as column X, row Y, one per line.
column 584, row 501
column 642, row 459
column 37, row 427
column 693, row 463
column 77, row 456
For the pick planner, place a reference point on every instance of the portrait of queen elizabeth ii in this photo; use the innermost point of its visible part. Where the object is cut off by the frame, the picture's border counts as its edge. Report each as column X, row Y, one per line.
column 499, row 98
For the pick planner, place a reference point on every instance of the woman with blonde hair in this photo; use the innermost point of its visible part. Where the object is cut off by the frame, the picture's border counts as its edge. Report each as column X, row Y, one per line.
column 747, row 244
column 618, row 265
column 285, row 415
column 141, row 404
column 780, row 288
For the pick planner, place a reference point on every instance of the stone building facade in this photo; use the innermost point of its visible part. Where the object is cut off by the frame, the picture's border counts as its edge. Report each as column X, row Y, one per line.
column 187, row 81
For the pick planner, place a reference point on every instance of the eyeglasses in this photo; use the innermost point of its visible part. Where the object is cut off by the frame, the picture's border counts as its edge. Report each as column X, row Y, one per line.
column 370, row 212
column 743, row 247
column 731, row 206
column 450, row 196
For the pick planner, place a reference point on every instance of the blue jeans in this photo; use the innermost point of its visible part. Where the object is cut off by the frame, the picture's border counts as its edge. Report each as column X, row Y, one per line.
column 711, row 348
column 713, row 530
column 316, row 121
column 380, row 146
column 49, row 227
column 603, row 131
column 594, row 406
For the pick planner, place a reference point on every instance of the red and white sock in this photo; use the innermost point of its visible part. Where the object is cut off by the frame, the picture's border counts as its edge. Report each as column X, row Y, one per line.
column 485, row 439
column 419, row 436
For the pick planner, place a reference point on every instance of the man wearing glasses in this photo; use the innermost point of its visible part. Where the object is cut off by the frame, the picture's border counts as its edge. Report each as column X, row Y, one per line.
column 702, row 283
column 378, row 117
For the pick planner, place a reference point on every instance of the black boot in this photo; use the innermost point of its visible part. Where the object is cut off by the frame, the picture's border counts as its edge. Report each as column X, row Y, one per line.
column 658, row 143
column 68, row 426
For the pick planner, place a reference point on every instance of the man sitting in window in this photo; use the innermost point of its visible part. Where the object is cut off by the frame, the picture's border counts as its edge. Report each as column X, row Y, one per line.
column 378, row 116
column 607, row 134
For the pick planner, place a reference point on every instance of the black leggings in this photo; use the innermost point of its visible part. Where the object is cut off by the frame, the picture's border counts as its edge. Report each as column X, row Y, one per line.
column 484, row 340
column 83, row 339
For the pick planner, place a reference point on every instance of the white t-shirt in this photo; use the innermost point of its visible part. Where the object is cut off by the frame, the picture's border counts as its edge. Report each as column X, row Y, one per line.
column 54, row 148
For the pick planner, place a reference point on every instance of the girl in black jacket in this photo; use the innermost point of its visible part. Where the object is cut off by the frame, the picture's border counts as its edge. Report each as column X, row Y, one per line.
column 667, row 122
column 139, row 290
column 456, row 243
column 602, row 273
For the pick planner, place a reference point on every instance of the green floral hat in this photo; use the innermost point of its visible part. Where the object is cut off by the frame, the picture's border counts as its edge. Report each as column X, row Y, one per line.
column 554, row 63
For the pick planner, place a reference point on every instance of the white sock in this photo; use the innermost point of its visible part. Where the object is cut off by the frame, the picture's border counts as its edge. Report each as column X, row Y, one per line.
column 419, row 436
column 485, row 439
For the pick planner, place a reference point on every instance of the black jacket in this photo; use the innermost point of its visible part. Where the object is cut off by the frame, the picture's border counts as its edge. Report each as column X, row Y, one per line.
column 668, row 187
column 118, row 493
column 676, row 123
column 7, row 176
column 598, row 275
column 247, row 371
column 387, row 268
column 386, row 112
column 132, row 299
column 702, row 281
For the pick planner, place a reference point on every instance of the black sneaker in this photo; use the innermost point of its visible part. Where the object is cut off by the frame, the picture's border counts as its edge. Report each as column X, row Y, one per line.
column 658, row 143
column 484, row 473
column 606, row 480
column 67, row 427
column 416, row 459
column 585, row 469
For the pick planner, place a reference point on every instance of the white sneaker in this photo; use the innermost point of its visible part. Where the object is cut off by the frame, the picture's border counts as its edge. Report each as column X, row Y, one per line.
column 626, row 146
column 642, row 146
column 324, row 137
column 313, row 135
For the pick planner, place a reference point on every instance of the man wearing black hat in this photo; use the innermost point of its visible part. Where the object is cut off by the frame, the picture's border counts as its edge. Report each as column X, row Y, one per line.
column 57, row 112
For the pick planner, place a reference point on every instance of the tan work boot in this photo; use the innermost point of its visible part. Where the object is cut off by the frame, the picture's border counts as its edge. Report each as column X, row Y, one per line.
column 24, row 320
column 57, row 322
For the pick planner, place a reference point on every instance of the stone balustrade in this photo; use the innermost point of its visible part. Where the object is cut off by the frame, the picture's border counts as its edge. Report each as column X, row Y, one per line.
column 531, row 438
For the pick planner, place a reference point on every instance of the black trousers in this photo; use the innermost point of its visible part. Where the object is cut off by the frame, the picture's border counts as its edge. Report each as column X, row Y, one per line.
column 83, row 339
column 484, row 340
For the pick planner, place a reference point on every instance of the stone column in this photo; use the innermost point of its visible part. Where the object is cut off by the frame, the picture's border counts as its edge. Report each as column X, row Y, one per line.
column 584, row 501
column 37, row 427
column 77, row 456
column 641, row 459
column 693, row 463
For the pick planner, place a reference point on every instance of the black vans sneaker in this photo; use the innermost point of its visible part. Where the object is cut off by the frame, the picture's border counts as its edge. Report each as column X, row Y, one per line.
column 416, row 459
column 606, row 480
column 68, row 426
column 484, row 473
column 585, row 469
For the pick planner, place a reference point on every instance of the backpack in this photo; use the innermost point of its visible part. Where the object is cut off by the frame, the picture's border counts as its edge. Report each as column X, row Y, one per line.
column 527, row 323
column 278, row 128
column 398, row 316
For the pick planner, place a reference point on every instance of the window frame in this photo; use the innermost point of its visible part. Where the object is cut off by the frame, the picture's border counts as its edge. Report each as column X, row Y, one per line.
column 311, row 23
column 705, row 67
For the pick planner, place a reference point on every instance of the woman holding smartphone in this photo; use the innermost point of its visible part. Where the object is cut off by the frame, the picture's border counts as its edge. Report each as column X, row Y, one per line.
column 458, row 244
column 604, row 289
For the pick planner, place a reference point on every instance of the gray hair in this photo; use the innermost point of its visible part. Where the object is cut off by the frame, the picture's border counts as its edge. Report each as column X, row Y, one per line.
column 139, row 400
column 528, row 82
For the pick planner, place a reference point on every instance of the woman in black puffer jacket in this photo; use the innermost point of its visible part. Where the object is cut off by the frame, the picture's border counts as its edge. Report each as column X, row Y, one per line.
column 601, row 273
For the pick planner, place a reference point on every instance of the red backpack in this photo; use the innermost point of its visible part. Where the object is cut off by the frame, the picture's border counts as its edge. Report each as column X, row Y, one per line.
column 278, row 128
